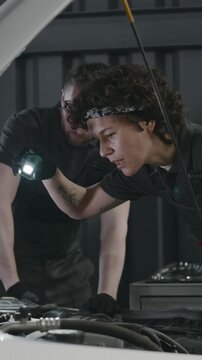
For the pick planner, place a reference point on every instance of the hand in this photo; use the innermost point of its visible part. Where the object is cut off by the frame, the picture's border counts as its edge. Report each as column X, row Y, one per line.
column 103, row 303
column 20, row 292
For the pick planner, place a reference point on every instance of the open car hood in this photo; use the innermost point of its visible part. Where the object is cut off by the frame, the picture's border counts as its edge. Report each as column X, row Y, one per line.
column 21, row 21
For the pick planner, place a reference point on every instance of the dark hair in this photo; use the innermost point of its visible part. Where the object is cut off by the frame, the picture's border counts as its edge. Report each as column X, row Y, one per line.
column 84, row 73
column 130, row 85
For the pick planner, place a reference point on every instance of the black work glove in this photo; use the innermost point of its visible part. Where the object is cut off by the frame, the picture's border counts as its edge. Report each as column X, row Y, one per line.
column 103, row 303
column 20, row 292
column 42, row 168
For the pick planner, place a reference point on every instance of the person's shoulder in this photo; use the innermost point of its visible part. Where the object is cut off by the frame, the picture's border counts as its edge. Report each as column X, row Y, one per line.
column 17, row 119
column 102, row 164
column 31, row 117
column 196, row 146
column 24, row 115
column 37, row 112
column 195, row 128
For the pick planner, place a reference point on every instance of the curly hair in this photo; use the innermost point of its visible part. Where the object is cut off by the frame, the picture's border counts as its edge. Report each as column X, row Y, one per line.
column 84, row 73
column 126, row 85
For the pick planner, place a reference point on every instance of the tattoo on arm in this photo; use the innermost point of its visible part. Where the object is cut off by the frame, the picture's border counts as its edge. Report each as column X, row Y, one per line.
column 113, row 204
column 69, row 197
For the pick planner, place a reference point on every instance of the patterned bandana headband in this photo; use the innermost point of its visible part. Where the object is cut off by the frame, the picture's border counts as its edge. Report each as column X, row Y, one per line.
column 108, row 111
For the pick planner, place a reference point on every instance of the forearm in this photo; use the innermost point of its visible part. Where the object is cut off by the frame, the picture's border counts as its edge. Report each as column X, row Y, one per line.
column 76, row 201
column 110, row 270
column 8, row 270
column 114, row 226
column 67, row 195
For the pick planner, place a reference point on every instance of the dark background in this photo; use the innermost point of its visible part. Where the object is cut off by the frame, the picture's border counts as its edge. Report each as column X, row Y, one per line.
column 98, row 31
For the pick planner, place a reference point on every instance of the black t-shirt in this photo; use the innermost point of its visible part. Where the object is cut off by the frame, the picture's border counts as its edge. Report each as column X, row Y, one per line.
column 40, row 227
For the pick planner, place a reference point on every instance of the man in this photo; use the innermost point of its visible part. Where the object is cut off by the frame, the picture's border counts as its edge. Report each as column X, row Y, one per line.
column 121, row 110
column 48, row 265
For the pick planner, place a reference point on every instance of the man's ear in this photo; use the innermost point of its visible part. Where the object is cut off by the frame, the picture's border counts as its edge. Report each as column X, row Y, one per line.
column 147, row 125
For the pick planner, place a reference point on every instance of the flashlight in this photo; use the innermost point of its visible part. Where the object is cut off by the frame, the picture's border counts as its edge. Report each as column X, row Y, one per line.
column 28, row 165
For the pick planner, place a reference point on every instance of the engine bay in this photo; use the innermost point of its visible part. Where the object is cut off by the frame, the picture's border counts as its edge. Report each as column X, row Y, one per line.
column 177, row 331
